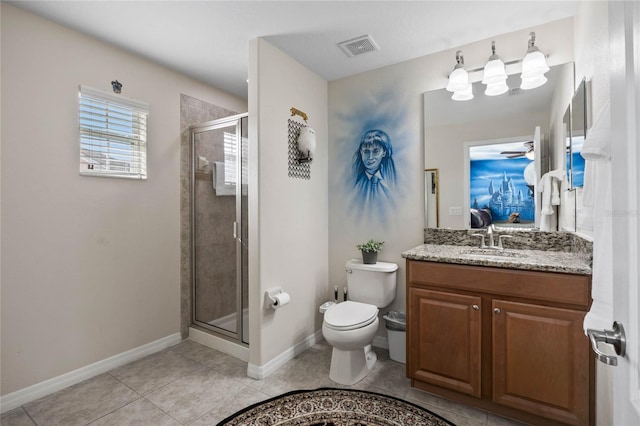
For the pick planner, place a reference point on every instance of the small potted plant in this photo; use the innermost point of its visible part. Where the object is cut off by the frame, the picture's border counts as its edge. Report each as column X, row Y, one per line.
column 370, row 251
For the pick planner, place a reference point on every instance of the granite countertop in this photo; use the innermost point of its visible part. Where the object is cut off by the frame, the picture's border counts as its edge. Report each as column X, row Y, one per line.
column 531, row 260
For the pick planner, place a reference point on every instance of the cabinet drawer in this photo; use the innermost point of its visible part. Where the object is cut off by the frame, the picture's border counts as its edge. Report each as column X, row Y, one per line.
column 552, row 287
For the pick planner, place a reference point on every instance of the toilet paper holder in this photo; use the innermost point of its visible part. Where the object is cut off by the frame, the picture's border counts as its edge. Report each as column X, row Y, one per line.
column 275, row 298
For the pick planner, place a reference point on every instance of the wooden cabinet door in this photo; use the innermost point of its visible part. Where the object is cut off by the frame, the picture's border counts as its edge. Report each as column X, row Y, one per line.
column 541, row 361
column 444, row 343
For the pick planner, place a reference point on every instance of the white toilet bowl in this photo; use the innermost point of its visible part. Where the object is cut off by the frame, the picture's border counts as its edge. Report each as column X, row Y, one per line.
column 350, row 328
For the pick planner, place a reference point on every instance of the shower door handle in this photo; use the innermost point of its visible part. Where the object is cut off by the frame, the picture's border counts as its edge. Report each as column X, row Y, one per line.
column 235, row 230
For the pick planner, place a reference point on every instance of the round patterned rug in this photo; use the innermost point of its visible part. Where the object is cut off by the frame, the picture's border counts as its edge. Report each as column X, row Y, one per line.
column 334, row 407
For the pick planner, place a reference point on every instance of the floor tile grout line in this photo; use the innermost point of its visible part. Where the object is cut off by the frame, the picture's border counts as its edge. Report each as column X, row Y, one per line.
column 119, row 408
column 29, row 415
column 160, row 408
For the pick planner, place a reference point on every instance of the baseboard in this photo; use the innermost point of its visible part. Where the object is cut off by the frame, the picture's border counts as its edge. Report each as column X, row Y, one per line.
column 219, row 344
column 262, row 371
column 38, row 390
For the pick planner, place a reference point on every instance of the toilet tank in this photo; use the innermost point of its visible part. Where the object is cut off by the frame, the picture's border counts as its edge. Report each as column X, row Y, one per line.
column 374, row 284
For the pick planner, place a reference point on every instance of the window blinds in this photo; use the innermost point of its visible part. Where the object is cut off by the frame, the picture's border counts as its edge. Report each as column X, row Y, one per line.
column 113, row 135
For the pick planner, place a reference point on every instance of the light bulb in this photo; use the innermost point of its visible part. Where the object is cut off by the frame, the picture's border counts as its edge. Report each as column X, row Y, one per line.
column 494, row 72
column 458, row 80
column 496, row 89
column 534, row 64
column 463, row 95
column 533, row 82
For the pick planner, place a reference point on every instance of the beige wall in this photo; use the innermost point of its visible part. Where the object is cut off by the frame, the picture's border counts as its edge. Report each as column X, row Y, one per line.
column 410, row 80
column 90, row 266
column 288, row 217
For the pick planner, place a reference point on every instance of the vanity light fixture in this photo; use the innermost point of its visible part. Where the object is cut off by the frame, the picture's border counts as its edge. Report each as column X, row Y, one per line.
column 459, row 77
column 534, row 66
column 495, row 74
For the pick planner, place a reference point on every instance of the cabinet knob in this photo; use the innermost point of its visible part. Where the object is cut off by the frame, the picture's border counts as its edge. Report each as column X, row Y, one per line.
column 496, row 310
column 475, row 307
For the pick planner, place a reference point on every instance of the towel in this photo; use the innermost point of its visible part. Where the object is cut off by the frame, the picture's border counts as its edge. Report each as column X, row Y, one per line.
column 555, row 193
column 596, row 147
column 545, row 188
column 597, row 192
column 567, row 216
column 219, row 185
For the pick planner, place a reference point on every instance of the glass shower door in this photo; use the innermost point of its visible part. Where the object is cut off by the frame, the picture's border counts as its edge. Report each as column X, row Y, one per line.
column 218, row 226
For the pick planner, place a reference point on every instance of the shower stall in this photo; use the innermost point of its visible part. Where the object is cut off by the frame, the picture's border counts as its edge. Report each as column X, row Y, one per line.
column 219, row 233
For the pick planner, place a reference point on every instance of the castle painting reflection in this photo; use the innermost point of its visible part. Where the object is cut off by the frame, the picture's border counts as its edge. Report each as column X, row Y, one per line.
column 503, row 185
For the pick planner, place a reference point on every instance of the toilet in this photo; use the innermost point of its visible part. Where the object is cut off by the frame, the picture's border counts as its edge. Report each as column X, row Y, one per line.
column 350, row 326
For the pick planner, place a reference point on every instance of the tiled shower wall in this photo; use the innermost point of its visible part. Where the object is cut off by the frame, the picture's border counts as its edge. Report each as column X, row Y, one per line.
column 215, row 246
column 194, row 111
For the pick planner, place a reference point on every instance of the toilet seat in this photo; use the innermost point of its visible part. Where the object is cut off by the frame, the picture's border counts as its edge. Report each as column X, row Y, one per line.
column 350, row 315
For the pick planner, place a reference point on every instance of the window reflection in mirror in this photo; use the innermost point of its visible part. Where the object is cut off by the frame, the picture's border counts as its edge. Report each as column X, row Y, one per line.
column 431, row 202
column 578, row 126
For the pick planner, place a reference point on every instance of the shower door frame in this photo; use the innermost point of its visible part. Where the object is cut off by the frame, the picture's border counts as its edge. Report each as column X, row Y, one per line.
column 237, row 225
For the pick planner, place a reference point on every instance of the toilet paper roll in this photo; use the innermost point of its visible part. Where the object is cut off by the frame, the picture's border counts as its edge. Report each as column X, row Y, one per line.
column 280, row 300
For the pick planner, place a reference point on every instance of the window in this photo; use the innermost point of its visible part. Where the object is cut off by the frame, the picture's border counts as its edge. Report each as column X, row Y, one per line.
column 113, row 135
column 231, row 159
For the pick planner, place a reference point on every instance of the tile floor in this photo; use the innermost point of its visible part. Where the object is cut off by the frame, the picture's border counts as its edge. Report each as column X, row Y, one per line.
column 191, row 384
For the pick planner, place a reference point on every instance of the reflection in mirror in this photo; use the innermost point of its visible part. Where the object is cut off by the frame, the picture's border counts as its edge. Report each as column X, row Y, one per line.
column 431, row 207
column 566, row 131
column 449, row 125
column 502, row 180
column 575, row 162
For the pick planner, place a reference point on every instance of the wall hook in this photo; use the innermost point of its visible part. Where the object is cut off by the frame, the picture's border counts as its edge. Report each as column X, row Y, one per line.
column 296, row 111
column 117, row 86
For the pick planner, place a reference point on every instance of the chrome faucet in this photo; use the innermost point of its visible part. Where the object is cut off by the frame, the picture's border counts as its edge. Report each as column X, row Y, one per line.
column 490, row 234
column 493, row 236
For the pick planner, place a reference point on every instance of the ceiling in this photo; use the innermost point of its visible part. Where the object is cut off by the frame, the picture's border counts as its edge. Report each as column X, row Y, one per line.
column 208, row 40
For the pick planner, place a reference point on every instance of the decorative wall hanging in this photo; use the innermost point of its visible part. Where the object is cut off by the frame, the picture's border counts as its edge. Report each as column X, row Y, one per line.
column 300, row 162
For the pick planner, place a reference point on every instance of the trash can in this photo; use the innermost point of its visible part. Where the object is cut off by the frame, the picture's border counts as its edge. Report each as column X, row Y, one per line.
column 396, row 323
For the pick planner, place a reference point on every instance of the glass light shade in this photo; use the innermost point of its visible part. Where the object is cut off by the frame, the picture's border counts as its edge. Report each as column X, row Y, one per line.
column 530, row 174
column 464, row 95
column 533, row 82
column 496, row 89
column 494, row 72
column 534, row 64
column 458, row 80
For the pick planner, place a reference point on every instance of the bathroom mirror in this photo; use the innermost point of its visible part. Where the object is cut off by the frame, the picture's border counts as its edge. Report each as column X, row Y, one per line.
column 431, row 207
column 449, row 125
column 577, row 134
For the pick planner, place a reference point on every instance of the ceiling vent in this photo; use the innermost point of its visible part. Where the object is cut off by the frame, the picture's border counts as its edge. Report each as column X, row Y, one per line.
column 358, row 46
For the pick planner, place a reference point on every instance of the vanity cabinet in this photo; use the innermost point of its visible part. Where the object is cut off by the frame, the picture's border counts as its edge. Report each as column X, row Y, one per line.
column 508, row 341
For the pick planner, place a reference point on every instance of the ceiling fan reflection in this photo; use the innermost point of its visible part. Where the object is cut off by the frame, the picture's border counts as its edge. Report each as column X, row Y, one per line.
column 528, row 152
